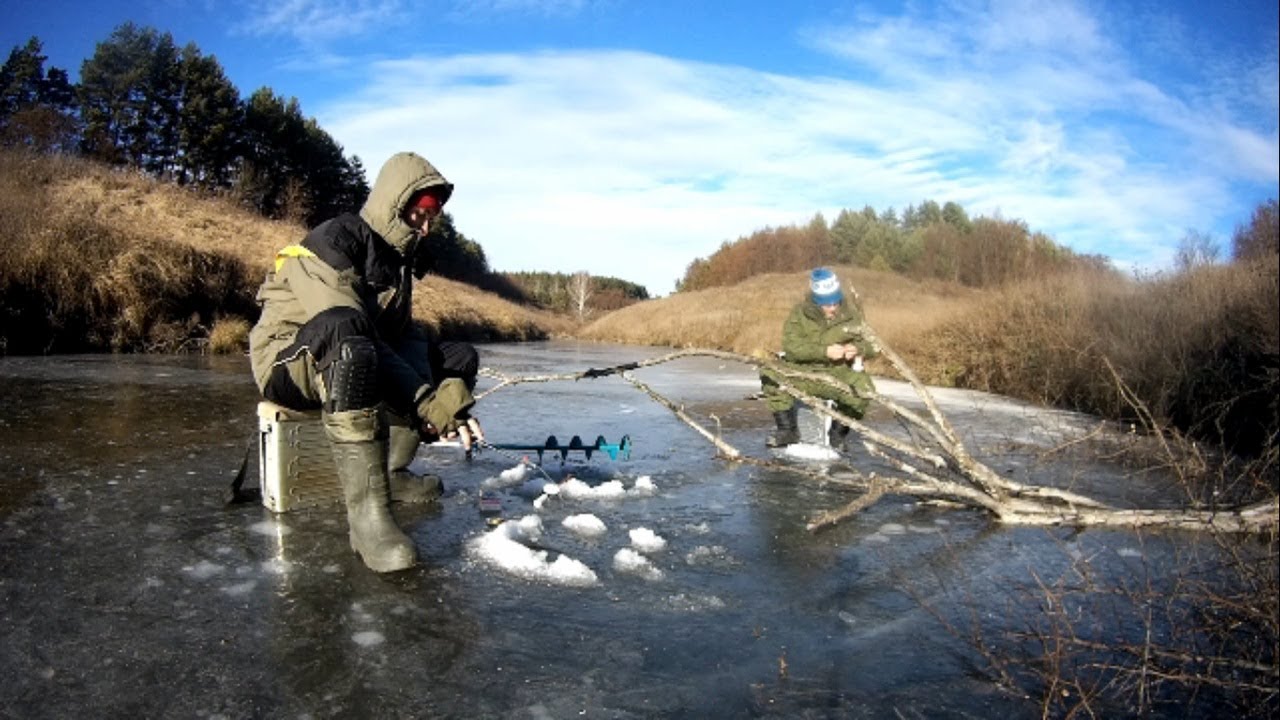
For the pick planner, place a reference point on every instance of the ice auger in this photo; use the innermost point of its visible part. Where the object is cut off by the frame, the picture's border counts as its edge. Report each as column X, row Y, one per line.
column 622, row 447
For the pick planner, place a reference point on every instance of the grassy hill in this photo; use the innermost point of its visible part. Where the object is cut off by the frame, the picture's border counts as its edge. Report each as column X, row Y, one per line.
column 747, row 317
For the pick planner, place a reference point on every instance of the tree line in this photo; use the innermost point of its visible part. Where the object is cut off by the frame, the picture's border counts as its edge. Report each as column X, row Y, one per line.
column 926, row 241
column 171, row 112
column 577, row 292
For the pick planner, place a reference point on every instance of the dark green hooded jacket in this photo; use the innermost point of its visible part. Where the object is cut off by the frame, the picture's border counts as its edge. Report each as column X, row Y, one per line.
column 353, row 261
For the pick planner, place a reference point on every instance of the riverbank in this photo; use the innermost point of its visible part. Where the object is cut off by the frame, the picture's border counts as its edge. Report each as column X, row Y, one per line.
column 97, row 259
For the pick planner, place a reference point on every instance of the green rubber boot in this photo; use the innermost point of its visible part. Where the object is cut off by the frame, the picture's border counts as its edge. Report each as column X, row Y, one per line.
column 361, row 465
column 407, row 487
column 837, row 434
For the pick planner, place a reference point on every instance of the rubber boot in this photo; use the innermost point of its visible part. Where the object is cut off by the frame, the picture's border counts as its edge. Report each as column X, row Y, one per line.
column 361, row 465
column 788, row 432
column 837, row 434
column 406, row 486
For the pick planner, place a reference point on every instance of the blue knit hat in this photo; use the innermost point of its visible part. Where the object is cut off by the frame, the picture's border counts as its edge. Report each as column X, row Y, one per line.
column 825, row 287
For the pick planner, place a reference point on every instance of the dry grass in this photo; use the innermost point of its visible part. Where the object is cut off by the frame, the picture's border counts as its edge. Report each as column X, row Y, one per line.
column 453, row 309
column 94, row 258
column 128, row 201
column 1199, row 349
column 229, row 335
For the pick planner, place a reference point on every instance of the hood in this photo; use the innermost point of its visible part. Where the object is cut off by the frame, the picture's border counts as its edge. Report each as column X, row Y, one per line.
column 402, row 175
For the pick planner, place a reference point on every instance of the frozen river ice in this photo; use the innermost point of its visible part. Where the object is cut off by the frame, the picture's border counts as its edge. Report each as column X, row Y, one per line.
column 669, row 584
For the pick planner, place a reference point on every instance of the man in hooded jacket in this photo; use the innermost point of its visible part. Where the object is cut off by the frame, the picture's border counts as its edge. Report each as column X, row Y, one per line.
column 822, row 334
column 336, row 335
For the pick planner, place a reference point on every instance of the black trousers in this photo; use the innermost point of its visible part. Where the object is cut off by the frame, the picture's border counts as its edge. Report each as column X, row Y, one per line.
column 293, row 382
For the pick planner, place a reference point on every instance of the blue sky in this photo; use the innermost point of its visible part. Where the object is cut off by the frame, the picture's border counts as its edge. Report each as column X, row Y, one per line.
column 628, row 137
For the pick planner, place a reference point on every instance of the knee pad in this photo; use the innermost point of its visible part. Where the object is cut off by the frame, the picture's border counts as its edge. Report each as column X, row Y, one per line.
column 353, row 376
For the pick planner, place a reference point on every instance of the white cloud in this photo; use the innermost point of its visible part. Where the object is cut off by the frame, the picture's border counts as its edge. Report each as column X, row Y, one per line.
column 632, row 164
column 313, row 21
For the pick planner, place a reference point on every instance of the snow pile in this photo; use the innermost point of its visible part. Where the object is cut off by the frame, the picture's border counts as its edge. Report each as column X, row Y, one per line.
column 504, row 547
column 575, row 489
column 547, row 490
column 512, row 546
column 511, row 476
column 585, row 525
column 646, row 540
column 368, row 638
column 541, row 489
column 807, row 451
column 631, row 562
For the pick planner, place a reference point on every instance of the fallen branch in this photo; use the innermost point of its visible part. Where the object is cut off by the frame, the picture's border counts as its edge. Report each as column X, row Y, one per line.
column 943, row 470
column 866, row 500
column 725, row 448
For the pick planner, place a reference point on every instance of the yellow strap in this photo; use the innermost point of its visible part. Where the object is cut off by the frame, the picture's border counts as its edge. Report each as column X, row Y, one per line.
column 292, row 251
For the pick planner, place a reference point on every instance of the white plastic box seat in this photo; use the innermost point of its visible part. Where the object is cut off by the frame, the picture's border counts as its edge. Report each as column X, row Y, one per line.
column 295, row 465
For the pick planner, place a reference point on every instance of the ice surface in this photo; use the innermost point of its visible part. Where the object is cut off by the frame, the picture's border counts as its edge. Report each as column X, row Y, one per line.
column 204, row 570
column 368, row 638
column 707, row 554
column 495, row 621
column 242, row 588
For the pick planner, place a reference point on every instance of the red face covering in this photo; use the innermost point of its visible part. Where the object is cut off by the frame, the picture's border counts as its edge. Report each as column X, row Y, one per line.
column 428, row 203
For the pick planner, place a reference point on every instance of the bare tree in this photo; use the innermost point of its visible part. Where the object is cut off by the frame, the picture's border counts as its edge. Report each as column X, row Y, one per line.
column 581, row 288
column 1196, row 249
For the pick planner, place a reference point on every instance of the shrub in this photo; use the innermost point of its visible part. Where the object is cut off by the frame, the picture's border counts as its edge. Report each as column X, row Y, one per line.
column 1199, row 348
column 229, row 335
